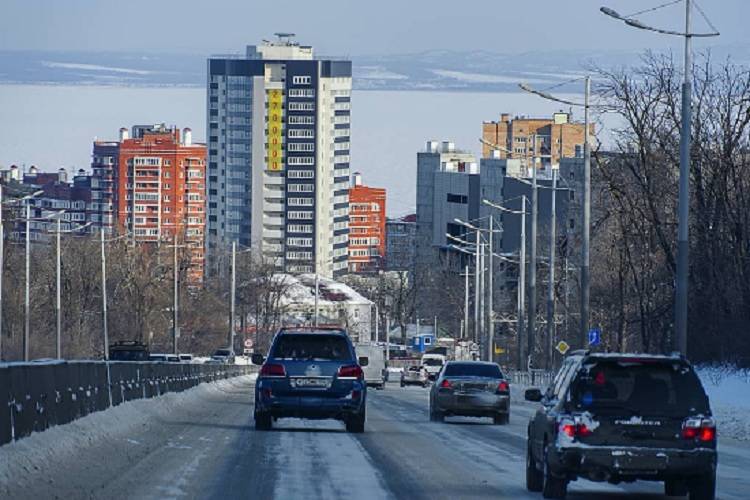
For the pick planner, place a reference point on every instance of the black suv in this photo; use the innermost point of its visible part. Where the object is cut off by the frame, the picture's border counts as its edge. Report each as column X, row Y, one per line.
column 128, row 350
column 621, row 417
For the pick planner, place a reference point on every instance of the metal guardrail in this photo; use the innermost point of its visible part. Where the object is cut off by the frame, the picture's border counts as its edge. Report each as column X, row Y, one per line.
column 36, row 396
column 535, row 378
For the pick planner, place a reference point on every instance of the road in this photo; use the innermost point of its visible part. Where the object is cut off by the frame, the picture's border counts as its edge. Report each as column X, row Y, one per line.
column 206, row 447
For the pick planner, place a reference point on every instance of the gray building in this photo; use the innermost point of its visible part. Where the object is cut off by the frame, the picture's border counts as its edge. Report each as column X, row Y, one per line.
column 278, row 127
column 400, row 238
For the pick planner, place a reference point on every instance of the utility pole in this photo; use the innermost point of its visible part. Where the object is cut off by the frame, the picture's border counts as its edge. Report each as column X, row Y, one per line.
column 683, row 209
column 377, row 332
column 477, row 286
column 522, row 287
column 586, row 229
column 27, row 294
column 2, row 268
column 490, row 313
column 232, row 298
column 551, row 291
column 482, row 337
column 175, row 305
column 58, row 303
column 532, row 269
column 317, row 287
column 104, row 299
column 465, row 333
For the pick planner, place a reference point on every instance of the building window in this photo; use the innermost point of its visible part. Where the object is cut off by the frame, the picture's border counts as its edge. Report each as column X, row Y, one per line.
column 301, row 80
column 301, row 106
column 457, row 198
column 301, row 160
column 301, row 93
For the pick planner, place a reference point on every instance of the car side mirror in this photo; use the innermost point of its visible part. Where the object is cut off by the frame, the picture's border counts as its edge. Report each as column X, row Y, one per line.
column 533, row 394
column 364, row 361
column 257, row 358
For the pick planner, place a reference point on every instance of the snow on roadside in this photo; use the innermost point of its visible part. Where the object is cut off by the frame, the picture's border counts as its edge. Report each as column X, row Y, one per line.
column 22, row 459
column 727, row 390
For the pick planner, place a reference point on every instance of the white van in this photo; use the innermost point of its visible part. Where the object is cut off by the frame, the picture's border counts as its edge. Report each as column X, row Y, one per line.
column 432, row 364
column 376, row 373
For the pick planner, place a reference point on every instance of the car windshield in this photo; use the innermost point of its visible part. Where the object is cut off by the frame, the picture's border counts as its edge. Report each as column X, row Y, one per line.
column 311, row 346
column 473, row 370
column 433, row 362
column 125, row 355
column 222, row 352
column 641, row 389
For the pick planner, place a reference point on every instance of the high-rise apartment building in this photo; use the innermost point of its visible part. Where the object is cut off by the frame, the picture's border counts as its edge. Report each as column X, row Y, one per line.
column 158, row 187
column 366, row 227
column 400, row 237
column 278, row 167
column 523, row 138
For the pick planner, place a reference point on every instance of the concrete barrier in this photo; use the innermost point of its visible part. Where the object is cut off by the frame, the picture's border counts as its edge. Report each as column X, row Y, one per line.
column 36, row 396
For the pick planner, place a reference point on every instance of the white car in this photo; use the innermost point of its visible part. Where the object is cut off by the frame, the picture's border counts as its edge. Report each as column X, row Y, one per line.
column 375, row 372
column 432, row 364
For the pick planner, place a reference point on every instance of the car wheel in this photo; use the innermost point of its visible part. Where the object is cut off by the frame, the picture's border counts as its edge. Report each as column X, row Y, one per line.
column 703, row 487
column 263, row 422
column 501, row 419
column 424, row 385
column 356, row 423
column 534, row 477
column 675, row 488
column 402, row 384
column 553, row 487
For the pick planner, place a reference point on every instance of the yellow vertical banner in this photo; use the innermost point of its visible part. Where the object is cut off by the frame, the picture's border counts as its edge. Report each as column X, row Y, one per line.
column 273, row 134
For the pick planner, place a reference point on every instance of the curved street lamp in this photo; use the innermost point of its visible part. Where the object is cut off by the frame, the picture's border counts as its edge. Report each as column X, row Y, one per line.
column 683, row 206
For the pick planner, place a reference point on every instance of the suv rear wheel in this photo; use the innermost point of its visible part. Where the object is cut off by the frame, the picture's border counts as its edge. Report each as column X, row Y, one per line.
column 501, row 419
column 263, row 422
column 554, row 487
column 534, row 477
column 356, row 423
column 675, row 488
column 703, row 487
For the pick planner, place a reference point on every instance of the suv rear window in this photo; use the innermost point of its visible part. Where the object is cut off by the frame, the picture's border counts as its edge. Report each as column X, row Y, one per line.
column 643, row 389
column 472, row 370
column 318, row 347
column 433, row 362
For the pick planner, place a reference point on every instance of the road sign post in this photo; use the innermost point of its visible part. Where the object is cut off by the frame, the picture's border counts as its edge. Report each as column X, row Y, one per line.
column 595, row 336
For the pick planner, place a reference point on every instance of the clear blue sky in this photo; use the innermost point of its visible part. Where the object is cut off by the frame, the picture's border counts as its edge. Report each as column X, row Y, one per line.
column 348, row 27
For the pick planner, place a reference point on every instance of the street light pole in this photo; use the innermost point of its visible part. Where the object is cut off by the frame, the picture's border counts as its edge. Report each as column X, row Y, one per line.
column 532, row 269
column 522, row 286
column 466, row 302
column 176, row 304
column 683, row 209
column 58, row 304
column 104, row 298
column 551, row 291
column 490, row 313
column 2, row 269
column 477, row 286
column 586, row 229
column 27, row 297
column 232, row 298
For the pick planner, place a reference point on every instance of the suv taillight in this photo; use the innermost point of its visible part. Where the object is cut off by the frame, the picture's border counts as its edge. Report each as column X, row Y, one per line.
column 701, row 429
column 574, row 430
column 351, row 371
column 272, row 370
column 503, row 387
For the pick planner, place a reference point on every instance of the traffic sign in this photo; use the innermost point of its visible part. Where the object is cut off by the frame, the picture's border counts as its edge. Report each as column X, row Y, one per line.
column 562, row 347
column 499, row 350
column 248, row 343
column 595, row 336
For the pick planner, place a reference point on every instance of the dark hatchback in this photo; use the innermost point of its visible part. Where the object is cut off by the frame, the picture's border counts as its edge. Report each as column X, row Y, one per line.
column 620, row 418
column 311, row 373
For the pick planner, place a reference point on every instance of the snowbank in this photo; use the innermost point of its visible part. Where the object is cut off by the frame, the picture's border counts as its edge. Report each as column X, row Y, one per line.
column 728, row 389
column 21, row 459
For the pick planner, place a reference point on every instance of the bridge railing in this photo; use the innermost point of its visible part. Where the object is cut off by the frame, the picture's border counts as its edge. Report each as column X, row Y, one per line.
column 36, row 396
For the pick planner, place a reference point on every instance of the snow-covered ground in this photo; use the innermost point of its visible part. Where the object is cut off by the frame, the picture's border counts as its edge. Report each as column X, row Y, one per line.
column 21, row 460
column 729, row 392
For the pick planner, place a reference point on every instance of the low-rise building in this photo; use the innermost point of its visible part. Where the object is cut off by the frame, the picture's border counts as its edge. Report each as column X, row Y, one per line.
column 367, row 237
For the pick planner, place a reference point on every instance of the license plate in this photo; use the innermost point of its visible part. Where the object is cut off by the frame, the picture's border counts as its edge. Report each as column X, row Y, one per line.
column 311, row 383
column 628, row 462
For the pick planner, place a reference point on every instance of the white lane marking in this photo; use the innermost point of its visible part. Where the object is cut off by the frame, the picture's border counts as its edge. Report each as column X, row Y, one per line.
column 320, row 460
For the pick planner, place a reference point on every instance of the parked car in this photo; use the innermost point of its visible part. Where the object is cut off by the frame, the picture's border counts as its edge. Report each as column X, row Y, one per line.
column 414, row 375
column 376, row 373
column 168, row 358
column 433, row 363
column 224, row 356
column 471, row 389
column 620, row 418
column 186, row 358
column 128, row 350
column 311, row 373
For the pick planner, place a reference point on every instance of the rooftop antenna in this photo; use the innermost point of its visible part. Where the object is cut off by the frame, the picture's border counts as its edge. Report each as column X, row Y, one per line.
column 285, row 38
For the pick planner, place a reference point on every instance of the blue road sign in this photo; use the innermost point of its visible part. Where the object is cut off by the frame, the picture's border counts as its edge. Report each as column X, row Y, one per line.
column 595, row 336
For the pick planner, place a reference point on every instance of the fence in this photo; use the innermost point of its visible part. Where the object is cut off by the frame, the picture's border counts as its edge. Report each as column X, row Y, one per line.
column 536, row 378
column 36, row 396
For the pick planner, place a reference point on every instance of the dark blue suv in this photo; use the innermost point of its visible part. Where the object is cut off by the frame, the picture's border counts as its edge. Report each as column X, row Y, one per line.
column 311, row 373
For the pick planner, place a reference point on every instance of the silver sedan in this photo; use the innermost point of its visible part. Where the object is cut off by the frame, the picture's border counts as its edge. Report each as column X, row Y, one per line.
column 472, row 389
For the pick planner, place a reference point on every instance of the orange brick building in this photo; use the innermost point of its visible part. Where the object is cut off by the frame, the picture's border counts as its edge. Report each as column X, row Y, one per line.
column 160, row 189
column 366, row 227
column 521, row 137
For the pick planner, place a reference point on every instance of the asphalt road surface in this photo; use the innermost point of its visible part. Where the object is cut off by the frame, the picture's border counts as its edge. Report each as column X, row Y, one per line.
column 206, row 447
